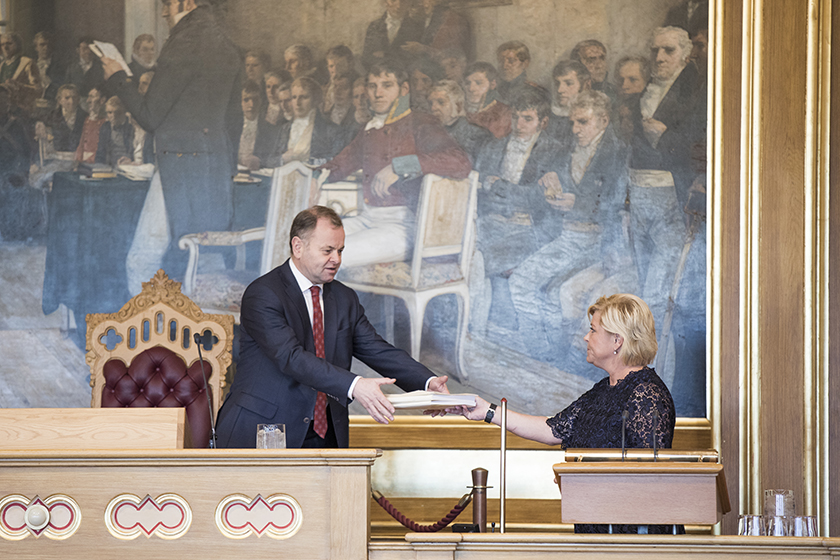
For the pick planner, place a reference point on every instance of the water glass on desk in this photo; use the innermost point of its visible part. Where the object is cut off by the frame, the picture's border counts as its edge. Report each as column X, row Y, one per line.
column 271, row 436
column 751, row 525
column 779, row 503
column 778, row 526
column 803, row 526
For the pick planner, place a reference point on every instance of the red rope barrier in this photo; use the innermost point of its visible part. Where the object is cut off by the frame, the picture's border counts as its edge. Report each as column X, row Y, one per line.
column 416, row 527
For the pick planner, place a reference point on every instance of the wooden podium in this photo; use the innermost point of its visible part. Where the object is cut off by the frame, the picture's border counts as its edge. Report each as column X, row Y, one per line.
column 685, row 488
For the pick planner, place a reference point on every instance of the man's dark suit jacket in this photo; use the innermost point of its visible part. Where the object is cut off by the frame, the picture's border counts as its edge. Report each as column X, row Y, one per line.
column 327, row 140
column 278, row 374
column 104, row 149
column 65, row 139
column 376, row 38
column 193, row 106
column 678, row 111
column 85, row 81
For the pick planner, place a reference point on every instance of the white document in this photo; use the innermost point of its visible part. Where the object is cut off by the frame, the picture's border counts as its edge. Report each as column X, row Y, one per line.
column 429, row 400
column 101, row 49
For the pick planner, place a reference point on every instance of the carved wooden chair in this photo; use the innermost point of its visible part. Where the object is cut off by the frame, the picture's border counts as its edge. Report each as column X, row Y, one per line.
column 221, row 292
column 440, row 263
column 145, row 355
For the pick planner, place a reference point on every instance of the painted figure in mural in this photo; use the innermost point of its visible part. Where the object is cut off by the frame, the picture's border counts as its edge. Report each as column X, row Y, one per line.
column 257, row 63
column 397, row 147
column 593, row 54
column 310, row 137
column 587, row 193
column 443, row 28
column 64, row 124
column 19, row 73
column 664, row 119
column 300, row 330
column 277, row 81
column 361, row 106
column 511, row 204
column 570, row 78
column 447, row 104
column 423, row 73
column 454, row 64
column 143, row 54
column 86, row 71
column 193, row 106
column 386, row 35
column 301, row 64
column 89, row 141
column 340, row 63
column 343, row 111
column 513, row 57
column 632, row 74
column 116, row 135
column 258, row 136
column 50, row 68
column 483, row 106
column 622, row 342
column 20, row 210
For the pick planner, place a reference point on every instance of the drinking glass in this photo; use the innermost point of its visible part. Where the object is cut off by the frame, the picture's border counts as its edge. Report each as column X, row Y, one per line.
column 751, row 525
column 778, row 526
column 271, row 436
column 804, row 526
column 779, row 503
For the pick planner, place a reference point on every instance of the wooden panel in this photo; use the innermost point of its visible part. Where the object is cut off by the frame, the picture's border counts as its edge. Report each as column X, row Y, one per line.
column 834, row 275
column 203, row 478
column 419, row 432
column 349, row 491
column 100, row 428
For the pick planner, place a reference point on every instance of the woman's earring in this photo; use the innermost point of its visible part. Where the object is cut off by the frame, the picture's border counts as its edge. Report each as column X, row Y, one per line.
column 615, row 351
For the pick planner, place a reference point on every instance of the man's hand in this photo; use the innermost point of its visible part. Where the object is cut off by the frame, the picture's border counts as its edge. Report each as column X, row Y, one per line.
column 369, row 395
column 654, row 130
column 563, row 202
column 383, row 180
column 550, row 182
column 438, row 385
column 110, row 66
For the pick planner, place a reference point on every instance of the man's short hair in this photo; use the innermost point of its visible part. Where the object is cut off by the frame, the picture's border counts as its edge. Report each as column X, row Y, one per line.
column 519, row 48
column 302, row 53
column 681, row 34
column 116, row 103
column 340, row 51
column 575, row 54
column 428, row 67
column 72, row 88
column 262, row 56
column 251, row 87
column 140, row 39
column 644, row 66
column 281, row 75
column 311, row 87
column 16, row 39
column 455, row 94
column 598, row 101
column 530, row 97
column 389, row 66
column 485, row 68
column 567, row 66
column 307, row 220
column 44, row 35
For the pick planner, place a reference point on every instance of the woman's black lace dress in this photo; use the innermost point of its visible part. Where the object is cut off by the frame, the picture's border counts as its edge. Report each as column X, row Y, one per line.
column 594, row 421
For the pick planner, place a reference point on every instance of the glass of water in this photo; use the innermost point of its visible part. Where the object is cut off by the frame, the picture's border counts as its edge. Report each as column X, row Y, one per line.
column 271, row 436
column 751, row 525
column 804, row 526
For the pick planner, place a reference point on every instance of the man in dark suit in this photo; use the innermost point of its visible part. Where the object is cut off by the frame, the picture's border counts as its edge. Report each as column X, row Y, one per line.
column 193, row 107
column 116, row 135
column 386, row 35
column 587, row 194
column 86, row 71
column 299, row 331
column 570, row 79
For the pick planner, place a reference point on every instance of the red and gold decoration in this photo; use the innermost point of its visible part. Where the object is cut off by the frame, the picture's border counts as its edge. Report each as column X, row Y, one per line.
column 56, row 517
column 128, row 516
column 278, row 516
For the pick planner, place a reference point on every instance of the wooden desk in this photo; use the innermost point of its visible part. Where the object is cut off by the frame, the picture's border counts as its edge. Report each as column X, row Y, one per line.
column 315, row 504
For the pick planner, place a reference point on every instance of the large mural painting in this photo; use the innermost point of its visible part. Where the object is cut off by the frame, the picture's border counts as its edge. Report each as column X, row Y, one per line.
column 584, row 120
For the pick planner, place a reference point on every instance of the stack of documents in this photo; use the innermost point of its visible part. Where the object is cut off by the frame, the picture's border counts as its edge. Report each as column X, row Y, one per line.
column 427, row 400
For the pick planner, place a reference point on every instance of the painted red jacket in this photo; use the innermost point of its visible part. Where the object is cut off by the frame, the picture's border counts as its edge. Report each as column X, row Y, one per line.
column 406, row 134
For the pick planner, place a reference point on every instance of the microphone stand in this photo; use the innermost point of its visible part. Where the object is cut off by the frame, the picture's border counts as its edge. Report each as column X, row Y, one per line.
column 655, row 429
column 197, row 339
column 624, row 416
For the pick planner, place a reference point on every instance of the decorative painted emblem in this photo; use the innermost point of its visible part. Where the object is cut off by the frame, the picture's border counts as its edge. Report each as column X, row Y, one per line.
column 128, row 516
column 279, row 516
column 56, row 517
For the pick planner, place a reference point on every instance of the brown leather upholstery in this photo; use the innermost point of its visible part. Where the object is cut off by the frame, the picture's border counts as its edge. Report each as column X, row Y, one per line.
column 158, row 377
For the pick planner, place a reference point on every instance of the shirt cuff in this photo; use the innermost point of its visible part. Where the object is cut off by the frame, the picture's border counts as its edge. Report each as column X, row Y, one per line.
column 407, row 166
column 352, row 386
column 429, row 380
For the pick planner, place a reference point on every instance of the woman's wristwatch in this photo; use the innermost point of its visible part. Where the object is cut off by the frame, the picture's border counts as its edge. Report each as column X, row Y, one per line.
column 490, row 413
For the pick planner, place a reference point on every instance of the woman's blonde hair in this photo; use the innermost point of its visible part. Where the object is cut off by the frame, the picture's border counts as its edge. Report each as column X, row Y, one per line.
column 629, row 317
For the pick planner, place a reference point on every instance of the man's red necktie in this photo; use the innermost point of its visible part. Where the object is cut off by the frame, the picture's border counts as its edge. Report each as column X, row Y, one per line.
column 320, row 415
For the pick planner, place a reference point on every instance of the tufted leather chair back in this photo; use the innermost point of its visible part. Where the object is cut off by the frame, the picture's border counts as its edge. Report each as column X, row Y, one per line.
column 145, row 356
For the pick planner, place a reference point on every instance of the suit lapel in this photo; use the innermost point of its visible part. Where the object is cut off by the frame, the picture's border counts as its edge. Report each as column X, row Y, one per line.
column 292, row 289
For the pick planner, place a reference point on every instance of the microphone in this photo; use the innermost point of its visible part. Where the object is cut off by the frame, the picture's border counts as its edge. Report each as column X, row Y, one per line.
column 197, row 339
column 655, row 429
column 624, row 416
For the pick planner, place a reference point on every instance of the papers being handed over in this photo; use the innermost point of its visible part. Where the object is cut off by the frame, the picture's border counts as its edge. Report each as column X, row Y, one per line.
column 101, row 49
column 428, row 400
